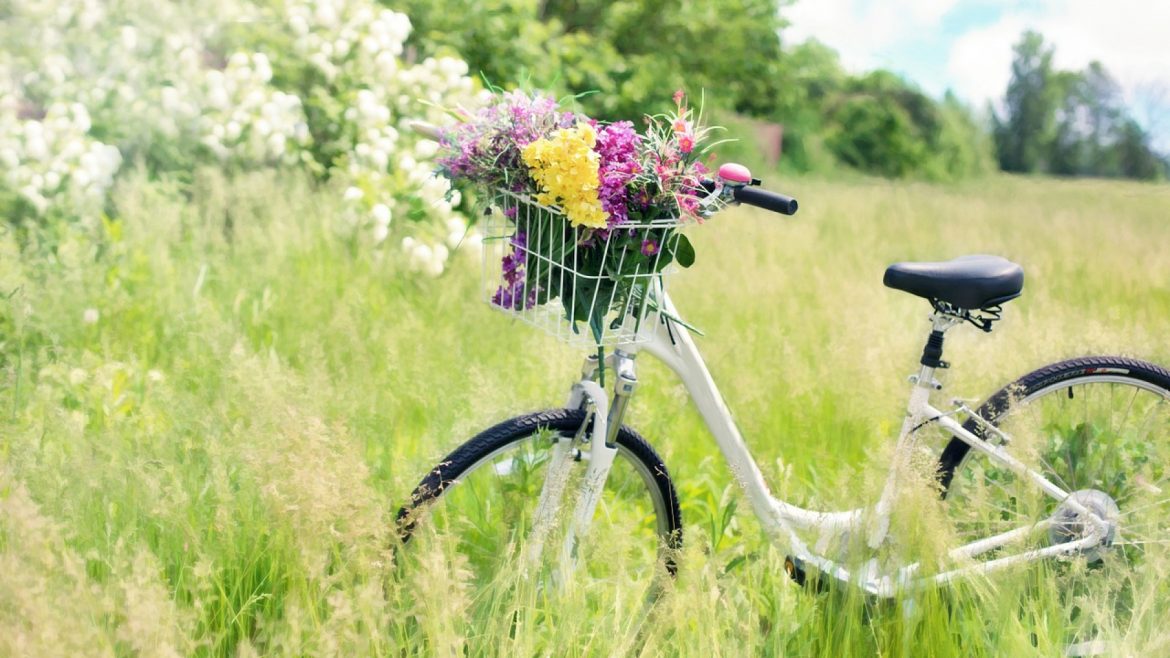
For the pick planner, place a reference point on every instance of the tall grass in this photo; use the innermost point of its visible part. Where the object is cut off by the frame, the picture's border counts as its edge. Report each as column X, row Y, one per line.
column 212, row 466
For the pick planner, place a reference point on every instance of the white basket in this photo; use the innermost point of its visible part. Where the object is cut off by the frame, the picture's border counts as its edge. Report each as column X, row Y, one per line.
column 535, row 270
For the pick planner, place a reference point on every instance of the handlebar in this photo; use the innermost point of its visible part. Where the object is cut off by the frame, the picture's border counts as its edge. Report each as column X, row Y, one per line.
column 740, row 189
column 785, row 205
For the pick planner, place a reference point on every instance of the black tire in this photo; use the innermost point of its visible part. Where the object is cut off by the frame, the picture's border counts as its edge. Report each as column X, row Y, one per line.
column 1099, row 428
column 475, row 456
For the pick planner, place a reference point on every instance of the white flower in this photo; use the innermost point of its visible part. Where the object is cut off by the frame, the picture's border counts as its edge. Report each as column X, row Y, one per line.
column 354, row 194
column 262, row 66
column 426, row 148
column 77, row 376
column 276, row 143
column 455, row 239
column 129, row 37
column 154, row 376
column 472, row 241
column 298, row 25
column 381, row 213
column 380, row 233
column 420, row 256
column 90, row 316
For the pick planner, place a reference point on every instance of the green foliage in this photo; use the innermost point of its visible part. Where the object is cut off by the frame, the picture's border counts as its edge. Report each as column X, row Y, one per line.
column 1069, row 123
column 1023, row 135
column 880, row 124
column 628, row 56
column 633, row 53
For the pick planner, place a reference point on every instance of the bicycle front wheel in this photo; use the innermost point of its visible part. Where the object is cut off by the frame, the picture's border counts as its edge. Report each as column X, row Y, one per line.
column 478, row 506
column 1097, row 427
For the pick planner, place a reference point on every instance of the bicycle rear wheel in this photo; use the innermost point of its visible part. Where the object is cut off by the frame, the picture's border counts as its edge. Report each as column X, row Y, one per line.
column 477, row 506
column 1099, row 428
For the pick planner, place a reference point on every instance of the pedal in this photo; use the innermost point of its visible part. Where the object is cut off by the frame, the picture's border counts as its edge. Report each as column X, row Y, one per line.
column 794, row 567
column 795, row 570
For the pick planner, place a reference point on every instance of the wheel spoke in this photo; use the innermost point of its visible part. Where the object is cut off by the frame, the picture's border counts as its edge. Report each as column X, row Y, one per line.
column 1105, row 431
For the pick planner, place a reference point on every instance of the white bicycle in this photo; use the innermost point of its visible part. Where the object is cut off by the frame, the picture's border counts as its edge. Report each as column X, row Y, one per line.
column 1069, row 460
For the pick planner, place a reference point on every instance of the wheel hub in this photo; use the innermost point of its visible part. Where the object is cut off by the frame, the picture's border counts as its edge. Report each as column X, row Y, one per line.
column 1070, row 525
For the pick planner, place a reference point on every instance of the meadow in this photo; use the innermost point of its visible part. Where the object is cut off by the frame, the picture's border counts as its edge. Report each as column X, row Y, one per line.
column 212, row 406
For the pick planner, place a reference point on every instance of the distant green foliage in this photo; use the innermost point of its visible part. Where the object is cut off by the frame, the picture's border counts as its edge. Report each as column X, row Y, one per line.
column 881, row 124
column 635, row 53
column 1069, row 123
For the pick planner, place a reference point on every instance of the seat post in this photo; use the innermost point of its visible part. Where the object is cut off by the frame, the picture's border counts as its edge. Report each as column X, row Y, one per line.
column 932, row 352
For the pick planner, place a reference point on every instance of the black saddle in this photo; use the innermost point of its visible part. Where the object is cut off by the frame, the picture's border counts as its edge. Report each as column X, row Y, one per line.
column 967, row 282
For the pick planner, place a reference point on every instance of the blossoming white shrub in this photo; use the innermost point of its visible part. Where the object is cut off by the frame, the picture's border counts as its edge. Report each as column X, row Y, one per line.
column 357, row 47
column 316, row 83
column 53, row 161
column 245, row 119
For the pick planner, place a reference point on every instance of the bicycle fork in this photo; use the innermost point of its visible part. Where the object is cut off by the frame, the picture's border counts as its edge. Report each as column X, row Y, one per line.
column 602, row 448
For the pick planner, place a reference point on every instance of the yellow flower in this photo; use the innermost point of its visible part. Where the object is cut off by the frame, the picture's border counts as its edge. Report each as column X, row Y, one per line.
column 564, row 167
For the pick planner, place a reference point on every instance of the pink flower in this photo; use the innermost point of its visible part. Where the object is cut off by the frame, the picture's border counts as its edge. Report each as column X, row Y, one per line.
column 680, row 125
column 686, row 143
column 678, row 97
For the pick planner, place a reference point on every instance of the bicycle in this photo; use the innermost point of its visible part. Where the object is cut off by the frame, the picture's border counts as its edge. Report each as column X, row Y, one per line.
column 1062, row 462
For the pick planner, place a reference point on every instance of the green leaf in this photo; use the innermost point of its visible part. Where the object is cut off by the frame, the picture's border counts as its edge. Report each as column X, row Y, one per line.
column 684, row 253
column 596, row 324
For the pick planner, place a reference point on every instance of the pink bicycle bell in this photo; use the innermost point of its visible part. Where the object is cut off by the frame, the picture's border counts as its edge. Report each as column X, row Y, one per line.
column 735, row 174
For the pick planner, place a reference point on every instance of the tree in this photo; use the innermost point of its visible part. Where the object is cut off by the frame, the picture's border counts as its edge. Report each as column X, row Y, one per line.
column 1135, row 157
column 636, row 53
column 1088, row 122
column 1024, row 133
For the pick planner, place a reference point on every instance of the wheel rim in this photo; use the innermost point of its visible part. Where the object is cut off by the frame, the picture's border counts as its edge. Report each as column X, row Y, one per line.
column 483, row 521
column 1105, row 438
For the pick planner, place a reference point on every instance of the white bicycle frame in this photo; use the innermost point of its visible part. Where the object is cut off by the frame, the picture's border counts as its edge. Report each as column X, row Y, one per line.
column 672, row 344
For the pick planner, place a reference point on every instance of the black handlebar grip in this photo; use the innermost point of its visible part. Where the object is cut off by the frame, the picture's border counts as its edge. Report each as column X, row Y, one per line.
column 785, row 205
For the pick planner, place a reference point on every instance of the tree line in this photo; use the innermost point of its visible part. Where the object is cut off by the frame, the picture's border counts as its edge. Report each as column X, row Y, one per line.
column 1069, row 123
column 624, row 57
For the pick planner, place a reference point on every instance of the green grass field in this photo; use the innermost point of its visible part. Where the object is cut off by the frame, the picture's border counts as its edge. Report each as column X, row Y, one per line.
column 211, row 466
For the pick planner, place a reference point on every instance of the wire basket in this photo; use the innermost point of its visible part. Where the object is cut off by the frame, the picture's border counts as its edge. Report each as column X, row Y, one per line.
column 582, row 286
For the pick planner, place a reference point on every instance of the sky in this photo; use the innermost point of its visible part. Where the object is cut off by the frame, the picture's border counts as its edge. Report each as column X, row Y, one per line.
column 966, row 45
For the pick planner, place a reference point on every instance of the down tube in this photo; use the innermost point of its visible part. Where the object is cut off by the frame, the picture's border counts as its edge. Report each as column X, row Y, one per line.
column 675, row 347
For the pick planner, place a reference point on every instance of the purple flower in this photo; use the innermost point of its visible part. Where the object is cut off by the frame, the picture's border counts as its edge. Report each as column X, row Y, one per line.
column 485, row 149
column 617, row 144
column 511, row 295
column 649, row 247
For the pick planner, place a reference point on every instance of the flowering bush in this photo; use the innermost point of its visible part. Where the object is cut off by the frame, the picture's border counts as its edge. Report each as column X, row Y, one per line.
column 54, row 159
column 596, row 207
column 322, row 85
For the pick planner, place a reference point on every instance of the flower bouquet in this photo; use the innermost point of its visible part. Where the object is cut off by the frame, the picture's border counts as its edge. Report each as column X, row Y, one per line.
column 580, row 211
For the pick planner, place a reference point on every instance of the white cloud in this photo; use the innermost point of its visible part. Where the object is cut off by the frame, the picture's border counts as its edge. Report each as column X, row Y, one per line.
column 979, row 65
column 861, row 31
column 1128, row 36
